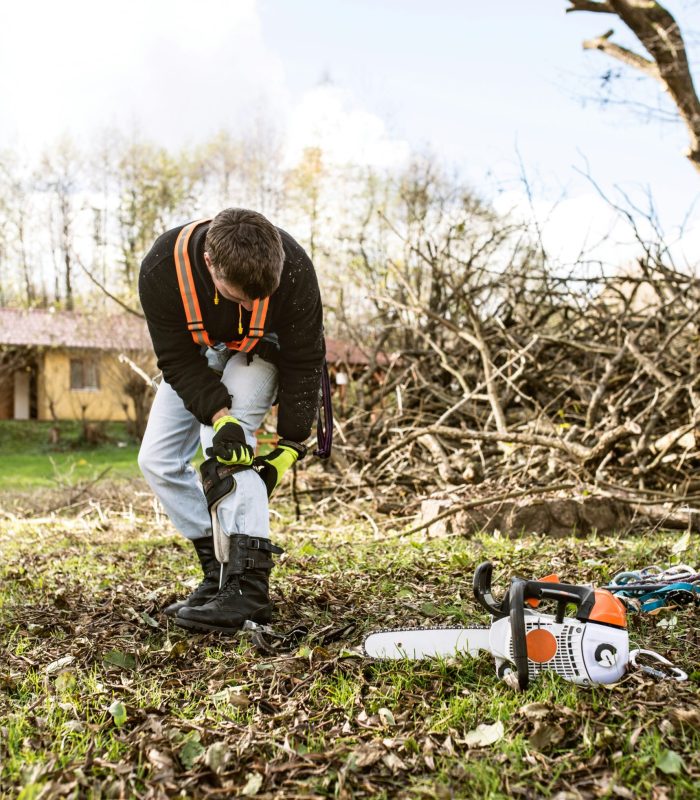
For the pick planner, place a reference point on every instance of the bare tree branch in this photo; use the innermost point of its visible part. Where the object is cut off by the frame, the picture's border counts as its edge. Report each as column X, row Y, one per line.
column 106, row 291
column 590, row 5
column 628, row 57
column 659, row 34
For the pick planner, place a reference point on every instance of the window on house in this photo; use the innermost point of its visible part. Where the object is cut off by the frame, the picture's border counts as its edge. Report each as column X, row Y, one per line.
column 84, row 373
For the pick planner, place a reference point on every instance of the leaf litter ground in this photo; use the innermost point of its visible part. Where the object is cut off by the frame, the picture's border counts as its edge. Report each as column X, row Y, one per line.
column 101, row 697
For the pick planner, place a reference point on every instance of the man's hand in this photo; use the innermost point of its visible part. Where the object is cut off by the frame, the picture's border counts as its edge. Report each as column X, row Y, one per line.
column 272, row 467
column 229, row 444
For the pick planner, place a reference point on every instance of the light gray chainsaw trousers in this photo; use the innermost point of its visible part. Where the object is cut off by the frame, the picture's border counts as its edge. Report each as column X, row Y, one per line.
column 171, row 440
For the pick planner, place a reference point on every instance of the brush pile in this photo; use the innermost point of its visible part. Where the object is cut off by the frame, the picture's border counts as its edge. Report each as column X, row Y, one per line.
column 517, row 381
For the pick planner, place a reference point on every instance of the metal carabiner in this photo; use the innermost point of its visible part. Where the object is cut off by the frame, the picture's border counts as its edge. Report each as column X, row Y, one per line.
column 678, row 572
column 671, row 671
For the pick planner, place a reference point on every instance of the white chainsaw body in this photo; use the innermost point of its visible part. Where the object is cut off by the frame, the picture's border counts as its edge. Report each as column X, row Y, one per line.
column 580, row 652
column 585, row 652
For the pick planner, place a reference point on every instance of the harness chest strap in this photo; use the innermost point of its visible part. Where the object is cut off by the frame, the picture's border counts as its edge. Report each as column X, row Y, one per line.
column 190, row 301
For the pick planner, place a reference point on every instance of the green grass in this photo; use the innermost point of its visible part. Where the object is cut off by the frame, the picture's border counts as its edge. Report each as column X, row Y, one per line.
column 30, row 460
column 209, row 715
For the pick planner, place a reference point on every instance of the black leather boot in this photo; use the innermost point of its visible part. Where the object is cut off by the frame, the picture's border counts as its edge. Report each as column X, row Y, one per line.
column 245, row 593
column 209, row 586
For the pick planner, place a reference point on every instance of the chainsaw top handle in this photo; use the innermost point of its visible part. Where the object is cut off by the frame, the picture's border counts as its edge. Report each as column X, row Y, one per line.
column 583, row 597
column 518, row 590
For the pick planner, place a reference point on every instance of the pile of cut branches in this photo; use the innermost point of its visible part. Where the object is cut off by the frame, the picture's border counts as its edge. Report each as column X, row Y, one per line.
column 520, row 377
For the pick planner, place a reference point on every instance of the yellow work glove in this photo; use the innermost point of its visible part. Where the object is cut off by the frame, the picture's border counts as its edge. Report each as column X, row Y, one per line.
column 229, row 444
column 272, row 467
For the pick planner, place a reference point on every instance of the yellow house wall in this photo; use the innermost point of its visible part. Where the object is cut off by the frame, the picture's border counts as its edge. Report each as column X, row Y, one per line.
column 104, row 403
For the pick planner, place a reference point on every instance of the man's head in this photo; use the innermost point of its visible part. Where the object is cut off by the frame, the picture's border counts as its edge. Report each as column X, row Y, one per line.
column 244, row 251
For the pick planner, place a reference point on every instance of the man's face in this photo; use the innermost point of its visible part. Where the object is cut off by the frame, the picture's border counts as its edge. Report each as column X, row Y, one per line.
column 228, row 290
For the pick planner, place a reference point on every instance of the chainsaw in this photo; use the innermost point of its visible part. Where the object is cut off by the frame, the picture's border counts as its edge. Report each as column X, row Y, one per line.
column 590, row 647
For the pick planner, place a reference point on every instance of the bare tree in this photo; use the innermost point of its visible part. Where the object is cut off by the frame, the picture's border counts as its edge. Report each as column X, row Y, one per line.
column 262, row 164
column 154, row 188
column 667, row 60
column 21, row 281
column 304, row 189
column 219, row 164
column 60, row 177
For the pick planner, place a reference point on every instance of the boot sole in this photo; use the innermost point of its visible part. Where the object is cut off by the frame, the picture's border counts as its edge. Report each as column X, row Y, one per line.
column 201, row 626
column 206, row 628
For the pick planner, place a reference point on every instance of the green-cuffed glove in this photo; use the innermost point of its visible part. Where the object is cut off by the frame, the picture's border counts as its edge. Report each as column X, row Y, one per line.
column 229, row 444
column 272, row 467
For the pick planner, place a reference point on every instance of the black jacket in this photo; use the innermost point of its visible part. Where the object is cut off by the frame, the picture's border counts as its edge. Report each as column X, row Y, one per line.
column 295, row 314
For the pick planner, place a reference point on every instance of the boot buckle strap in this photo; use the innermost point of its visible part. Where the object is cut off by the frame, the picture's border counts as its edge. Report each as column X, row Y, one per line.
column 263, row 544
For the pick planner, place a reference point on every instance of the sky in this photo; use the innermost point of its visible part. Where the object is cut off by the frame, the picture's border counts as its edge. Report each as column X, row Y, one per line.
column 498, row 90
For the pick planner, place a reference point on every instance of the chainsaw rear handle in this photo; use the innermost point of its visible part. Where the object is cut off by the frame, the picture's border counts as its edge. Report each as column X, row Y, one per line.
column 583, row 597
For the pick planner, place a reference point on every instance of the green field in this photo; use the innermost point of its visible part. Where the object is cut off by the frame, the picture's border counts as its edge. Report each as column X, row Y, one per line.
column 29, row 459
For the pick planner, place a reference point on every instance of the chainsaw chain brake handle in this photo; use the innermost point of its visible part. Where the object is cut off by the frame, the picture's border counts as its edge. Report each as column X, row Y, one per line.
column 482, row 591
column 583, row 597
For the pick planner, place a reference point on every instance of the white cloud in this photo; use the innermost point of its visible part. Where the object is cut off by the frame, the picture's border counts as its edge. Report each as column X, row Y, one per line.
column 328, row 117
column 585, row 227
column 174, row 69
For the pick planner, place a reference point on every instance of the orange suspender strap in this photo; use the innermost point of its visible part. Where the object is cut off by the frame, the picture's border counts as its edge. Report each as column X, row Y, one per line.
column 190, row 300
column 255, row 329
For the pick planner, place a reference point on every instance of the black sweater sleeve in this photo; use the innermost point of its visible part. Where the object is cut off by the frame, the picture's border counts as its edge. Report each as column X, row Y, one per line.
column 179, row 357
column 299, row 326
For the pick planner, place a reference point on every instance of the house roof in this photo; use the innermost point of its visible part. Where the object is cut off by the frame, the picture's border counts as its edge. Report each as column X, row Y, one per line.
column 47, row 328
column 339, row 352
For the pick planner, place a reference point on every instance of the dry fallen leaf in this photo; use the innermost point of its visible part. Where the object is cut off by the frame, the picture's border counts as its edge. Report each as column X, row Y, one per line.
column 394, row 763
column 162, row 764
column 685, row 716
column 59, row 664
column 545, row 735
column 233, row 696
column 536, row 710
column 623, row 792
column 366, row 755
column 252, row 785
column 386, row 717
column 484, row 735
column 216, row 757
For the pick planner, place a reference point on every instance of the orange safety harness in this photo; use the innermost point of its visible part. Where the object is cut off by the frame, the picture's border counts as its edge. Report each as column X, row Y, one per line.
column 190, row 301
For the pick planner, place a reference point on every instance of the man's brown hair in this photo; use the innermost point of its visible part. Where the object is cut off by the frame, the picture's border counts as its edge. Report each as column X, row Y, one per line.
column 246, row 250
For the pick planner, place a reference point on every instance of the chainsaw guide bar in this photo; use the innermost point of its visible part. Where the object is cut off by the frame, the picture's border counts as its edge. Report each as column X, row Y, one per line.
column 418, row 643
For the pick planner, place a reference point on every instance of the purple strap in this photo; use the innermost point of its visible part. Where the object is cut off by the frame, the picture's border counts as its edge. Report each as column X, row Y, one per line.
column 324, row 427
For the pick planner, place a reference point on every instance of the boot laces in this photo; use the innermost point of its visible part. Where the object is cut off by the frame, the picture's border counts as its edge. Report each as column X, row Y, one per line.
column 204, row 587
column 231, row 587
